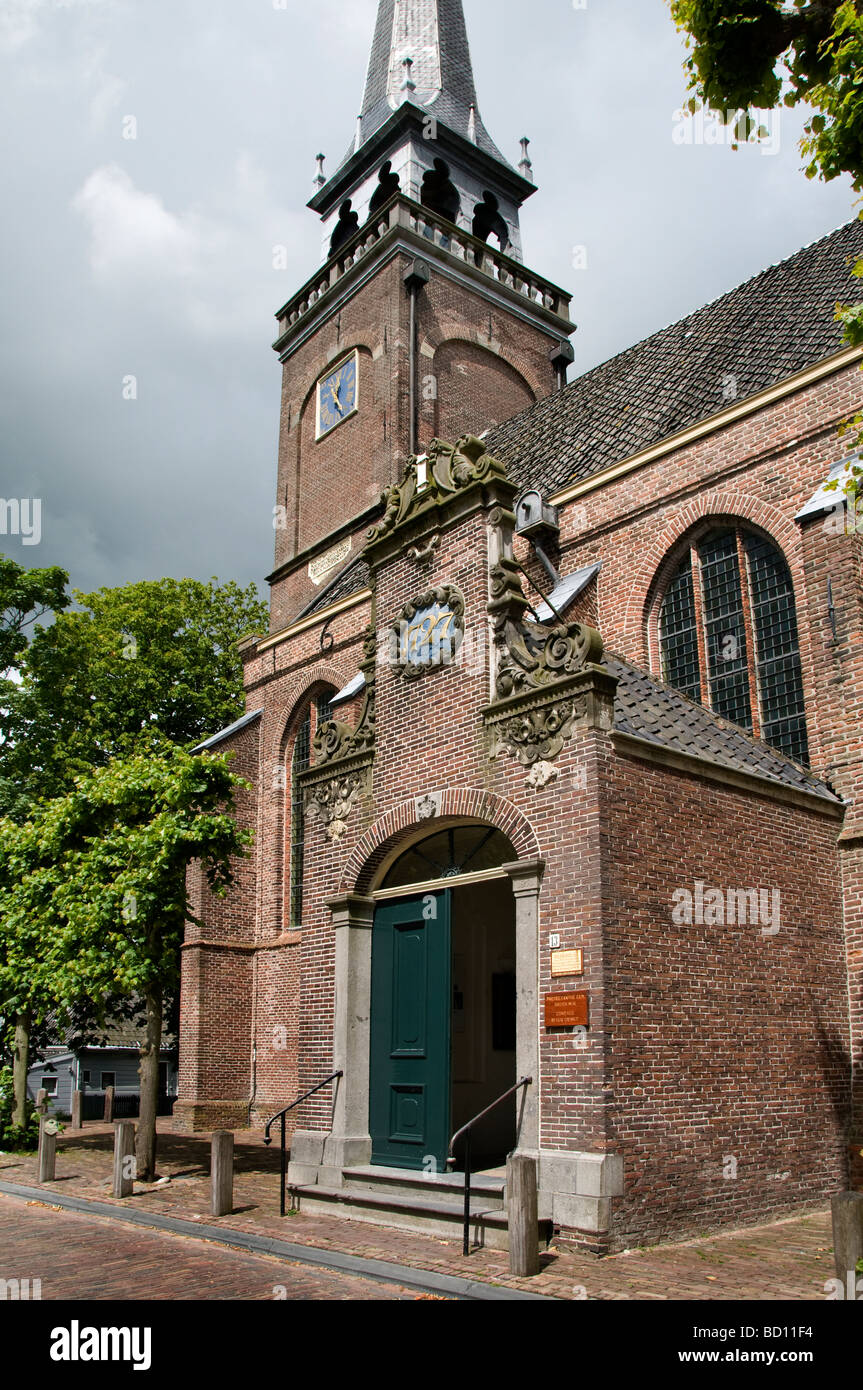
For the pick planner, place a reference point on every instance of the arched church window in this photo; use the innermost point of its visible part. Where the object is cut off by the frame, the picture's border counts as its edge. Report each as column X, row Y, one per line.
column 348, row 223
column 460, row 849
column 487, row 221
column 728, row 636
column 439, row 194
column 317, row 712
column 388, row 187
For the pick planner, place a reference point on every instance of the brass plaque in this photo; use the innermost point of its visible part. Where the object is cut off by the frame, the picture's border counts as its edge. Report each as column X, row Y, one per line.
column 567, row 962
column 570, row 1010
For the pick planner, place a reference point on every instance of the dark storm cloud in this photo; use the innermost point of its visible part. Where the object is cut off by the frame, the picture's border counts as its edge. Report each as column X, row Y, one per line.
column 138, row 393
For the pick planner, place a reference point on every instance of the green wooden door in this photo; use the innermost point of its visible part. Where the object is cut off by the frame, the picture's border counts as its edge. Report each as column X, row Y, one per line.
column 409, row 1094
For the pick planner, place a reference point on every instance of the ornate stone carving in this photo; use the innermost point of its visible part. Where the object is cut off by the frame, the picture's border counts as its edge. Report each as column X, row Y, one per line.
column 538, row 735
column 428, row 806
column 541, row 774
column 533, row 655
column 343, row 756
column 547, row 678
column 429, row 631
column 333, row 801
column 334, row 741
column 425, row 556
column 446, row 470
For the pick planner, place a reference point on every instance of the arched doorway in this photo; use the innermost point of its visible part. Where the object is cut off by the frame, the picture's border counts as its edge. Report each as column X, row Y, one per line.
column 443, row 998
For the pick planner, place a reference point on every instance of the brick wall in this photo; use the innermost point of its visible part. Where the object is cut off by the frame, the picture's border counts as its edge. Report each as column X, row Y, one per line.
column 727, row 1067
column 702, row 1044
column 477, row 364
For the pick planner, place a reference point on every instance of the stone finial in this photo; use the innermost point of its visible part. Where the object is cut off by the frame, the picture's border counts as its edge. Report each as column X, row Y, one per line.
column 358, row 139
column 408, row 84
column 525, row 168
column 320, row 177
column 471, row 124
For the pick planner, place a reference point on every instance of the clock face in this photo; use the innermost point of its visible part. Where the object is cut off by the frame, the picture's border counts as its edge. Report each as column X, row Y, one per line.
column 337, row 396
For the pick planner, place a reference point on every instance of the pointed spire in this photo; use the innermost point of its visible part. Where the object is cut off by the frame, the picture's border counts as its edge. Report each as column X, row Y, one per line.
column 420, row 53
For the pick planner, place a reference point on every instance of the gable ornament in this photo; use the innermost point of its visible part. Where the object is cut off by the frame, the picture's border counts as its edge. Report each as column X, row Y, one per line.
column 547, row 680
column 343, row 757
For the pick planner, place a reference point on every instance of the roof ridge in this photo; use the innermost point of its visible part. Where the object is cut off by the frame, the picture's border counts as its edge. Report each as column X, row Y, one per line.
column 759, row 333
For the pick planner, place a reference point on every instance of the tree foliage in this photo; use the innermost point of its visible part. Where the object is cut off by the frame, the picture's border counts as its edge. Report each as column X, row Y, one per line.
column 137, row 669
column 746, row 54
column 26, row 596
column 93, row 897
column 758, row 53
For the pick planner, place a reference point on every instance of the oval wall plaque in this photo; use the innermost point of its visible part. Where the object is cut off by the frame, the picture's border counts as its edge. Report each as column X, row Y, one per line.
column 429, row 631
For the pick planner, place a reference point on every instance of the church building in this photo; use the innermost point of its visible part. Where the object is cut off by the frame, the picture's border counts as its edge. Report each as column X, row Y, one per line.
column 554, row 744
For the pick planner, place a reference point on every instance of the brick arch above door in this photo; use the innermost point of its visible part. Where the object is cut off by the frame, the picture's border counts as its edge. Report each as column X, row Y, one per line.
column 465, row 803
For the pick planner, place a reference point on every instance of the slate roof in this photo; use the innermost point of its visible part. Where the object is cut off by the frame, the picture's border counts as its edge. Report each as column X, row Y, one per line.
column 352, row 579
column 774, row 325
column 458, row 90
column 646, row 708
column 232, row 729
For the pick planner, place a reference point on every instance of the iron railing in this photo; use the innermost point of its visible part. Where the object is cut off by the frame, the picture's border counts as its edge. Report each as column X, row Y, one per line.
column 467, row 1131
column 281, row 1116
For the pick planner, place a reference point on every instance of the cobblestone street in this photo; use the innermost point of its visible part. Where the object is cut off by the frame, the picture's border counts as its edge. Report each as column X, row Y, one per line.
column 791, row 1259
column 84, row 1258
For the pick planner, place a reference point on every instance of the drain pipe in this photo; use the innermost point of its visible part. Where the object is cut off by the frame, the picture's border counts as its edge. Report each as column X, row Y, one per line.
column 415, row 277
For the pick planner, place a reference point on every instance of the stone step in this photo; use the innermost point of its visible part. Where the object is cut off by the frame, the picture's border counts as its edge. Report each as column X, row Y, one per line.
column 408, row 1213
column 440, row 1187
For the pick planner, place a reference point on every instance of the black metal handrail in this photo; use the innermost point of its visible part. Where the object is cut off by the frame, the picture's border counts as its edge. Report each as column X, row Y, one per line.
column 467, row 1130
column 281, row 1116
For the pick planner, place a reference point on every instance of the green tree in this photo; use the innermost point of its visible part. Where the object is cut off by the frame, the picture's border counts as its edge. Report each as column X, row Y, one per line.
column 26, row 985
column 756, row 54
column 26, row 596
column 101, row 874
column 132, row 670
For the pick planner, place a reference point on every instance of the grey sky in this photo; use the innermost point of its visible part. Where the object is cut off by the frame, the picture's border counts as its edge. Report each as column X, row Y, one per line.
column 153, row 257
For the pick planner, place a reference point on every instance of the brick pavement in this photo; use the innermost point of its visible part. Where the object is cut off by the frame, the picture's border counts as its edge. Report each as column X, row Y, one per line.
column 790, row 1259
column 89, row 1258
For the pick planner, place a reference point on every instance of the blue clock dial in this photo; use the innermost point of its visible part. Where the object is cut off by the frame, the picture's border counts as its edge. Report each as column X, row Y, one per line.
column 337, row 396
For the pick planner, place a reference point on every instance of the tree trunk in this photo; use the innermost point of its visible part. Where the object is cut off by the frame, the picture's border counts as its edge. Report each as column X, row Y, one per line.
column 20, row 1063
column 145, row 1140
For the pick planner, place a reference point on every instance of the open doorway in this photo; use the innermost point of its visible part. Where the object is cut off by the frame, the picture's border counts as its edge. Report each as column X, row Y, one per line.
column 483, row 1041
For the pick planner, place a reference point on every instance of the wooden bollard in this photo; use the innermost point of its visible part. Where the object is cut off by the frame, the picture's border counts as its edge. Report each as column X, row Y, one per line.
column 222, row 1173
column 523, row 1215
column 42, row 1102
column 47, row 1149
column 109, row 1105
column 124, row 1158
column 847, row 1235
column 77, row 1097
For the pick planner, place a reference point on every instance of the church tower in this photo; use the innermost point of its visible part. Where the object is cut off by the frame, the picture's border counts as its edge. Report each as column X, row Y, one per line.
column 422, row 321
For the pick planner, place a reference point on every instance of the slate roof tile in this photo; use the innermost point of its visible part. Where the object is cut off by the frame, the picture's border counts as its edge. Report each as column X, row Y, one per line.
column 648, row 709
column 760, row 333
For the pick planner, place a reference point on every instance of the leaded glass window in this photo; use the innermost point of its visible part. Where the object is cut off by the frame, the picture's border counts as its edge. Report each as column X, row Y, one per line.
column 680, row 634
column 320, row 711
column 728, row 636
column 461, row 849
